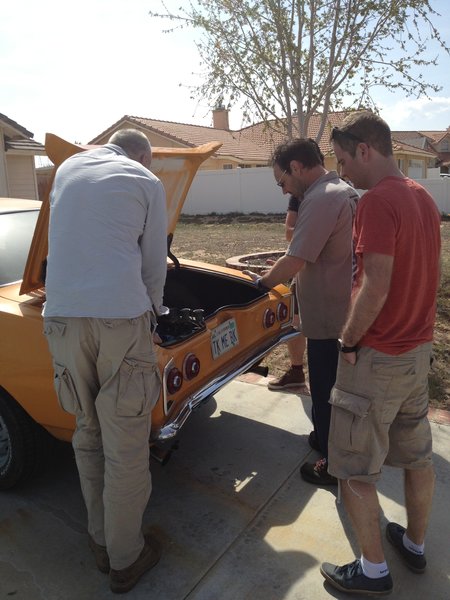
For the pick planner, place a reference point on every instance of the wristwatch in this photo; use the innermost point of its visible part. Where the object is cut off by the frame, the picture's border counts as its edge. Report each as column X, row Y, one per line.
column 345, row 349
column 260, row 285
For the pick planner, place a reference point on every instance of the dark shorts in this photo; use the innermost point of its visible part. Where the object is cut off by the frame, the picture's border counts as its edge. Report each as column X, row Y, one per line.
column 379, row 414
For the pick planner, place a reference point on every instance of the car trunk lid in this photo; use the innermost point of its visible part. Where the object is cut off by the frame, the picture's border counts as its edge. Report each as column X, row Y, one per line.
column 175, row 167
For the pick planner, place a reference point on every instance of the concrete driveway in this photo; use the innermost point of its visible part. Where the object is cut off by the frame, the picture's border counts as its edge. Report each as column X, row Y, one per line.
column 234, row 517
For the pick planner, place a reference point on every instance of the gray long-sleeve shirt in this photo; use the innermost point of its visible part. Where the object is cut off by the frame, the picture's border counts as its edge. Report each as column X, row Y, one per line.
column 107, row 237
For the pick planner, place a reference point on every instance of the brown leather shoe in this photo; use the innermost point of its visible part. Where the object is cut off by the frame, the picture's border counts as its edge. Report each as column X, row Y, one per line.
column 124, row 580
column 293, row 378
column 100, row 555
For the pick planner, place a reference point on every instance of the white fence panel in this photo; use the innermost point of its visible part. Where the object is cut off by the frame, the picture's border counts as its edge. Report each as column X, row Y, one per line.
column 254, row 190
column 440, row 190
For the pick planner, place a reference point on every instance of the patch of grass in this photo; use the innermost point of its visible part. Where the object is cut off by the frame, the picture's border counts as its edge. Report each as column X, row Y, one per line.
column 214, row 238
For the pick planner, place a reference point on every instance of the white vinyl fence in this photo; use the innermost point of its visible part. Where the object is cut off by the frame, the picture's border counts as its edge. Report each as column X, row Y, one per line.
column 254, row 190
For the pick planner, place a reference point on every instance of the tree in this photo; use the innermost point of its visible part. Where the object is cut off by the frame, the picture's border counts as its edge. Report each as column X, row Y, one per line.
column 285, row 60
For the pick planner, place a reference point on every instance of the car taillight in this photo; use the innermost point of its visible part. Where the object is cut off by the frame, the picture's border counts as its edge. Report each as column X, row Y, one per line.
column 282, row 311
column 191, row 366
column 174, row 380
column 269, row 318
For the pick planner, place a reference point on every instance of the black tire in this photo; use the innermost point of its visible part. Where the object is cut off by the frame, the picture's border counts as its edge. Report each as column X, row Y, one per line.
column 21, row 443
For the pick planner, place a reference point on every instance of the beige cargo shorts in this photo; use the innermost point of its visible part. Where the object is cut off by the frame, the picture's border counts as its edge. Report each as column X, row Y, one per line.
column 379, row 414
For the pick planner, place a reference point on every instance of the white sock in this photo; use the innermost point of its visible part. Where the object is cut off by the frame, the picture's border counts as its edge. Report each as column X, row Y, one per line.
column 373, row 570
column 412, row 547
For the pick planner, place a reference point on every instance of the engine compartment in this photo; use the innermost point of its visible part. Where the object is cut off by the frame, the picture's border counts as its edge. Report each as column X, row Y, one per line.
column 193, row 296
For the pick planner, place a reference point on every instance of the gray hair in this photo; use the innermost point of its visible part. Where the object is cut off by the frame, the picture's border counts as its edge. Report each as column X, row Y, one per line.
column 134, row 142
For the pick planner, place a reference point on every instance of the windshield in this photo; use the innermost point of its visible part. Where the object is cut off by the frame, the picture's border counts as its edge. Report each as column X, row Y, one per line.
column 16, row 231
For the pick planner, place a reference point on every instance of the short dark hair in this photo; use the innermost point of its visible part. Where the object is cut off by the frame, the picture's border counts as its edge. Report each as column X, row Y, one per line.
column 363, row 127
column 304, row 150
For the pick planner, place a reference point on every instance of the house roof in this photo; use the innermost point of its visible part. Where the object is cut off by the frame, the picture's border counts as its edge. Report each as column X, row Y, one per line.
column 436, row 136
column 18, row 128
column 254, row 143
column 233, row 143
column 26, row 146
column 19, row 139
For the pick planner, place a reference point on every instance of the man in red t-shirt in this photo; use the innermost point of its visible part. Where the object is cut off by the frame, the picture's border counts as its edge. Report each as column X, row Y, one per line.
column 380, row 399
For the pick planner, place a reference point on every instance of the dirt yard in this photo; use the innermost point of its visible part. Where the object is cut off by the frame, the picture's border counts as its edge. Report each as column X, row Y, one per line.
column 214, row 238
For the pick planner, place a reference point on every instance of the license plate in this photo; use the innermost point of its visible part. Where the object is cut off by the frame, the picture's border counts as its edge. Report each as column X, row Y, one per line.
column 224, row 338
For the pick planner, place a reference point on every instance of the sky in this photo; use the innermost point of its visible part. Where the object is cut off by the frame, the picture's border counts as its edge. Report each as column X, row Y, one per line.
column 74, row 69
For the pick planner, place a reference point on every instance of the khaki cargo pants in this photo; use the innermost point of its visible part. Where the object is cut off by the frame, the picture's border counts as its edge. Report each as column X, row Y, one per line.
column 106, row 375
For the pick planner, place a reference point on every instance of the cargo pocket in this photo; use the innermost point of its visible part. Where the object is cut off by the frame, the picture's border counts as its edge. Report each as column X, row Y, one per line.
column 350, row 427
column 65, row 390
column 139, row 385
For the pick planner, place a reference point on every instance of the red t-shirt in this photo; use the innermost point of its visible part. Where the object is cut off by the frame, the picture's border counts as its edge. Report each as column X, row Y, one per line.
column 399, row 218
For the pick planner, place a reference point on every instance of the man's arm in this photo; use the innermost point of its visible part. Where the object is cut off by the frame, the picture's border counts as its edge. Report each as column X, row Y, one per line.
column 154, row 246
column 370, row 298
column 284, row 269
column 289, row 224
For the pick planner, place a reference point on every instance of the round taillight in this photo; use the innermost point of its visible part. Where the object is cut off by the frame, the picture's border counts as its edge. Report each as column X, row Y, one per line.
column 174, row 380
column 269, row 318
column 191, row 366
column 282, row 311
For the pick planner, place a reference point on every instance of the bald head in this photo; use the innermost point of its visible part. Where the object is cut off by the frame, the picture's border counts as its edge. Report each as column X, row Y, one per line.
column 135, row 144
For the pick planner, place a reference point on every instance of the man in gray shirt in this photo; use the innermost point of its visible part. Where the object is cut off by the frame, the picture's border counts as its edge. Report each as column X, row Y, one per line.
column 320, row 258
column 105, row 278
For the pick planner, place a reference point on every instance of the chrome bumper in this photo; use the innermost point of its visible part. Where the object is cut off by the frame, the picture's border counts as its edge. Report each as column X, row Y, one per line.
column 172, row 428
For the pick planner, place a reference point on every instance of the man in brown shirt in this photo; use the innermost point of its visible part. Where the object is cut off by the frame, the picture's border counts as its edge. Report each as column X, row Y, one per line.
column 320, row 258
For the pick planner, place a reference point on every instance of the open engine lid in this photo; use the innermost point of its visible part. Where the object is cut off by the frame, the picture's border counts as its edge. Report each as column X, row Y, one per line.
column 175, row 167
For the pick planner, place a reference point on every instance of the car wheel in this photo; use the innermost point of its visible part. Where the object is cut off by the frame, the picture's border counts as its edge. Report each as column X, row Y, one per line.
column 18, row 447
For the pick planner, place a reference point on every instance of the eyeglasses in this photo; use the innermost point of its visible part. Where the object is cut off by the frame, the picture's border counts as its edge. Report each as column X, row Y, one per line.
column 280, row 183
column 336, row 133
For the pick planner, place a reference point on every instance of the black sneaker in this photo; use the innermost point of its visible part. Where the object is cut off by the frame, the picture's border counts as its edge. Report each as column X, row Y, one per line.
column 394, row 534
column 351, row 579
column 317, row 473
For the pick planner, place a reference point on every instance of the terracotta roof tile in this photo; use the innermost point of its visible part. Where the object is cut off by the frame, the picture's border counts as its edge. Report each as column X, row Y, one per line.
column 254, row 143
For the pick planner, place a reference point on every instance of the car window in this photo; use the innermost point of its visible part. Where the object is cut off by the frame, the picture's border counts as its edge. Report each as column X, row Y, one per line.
column 16, row 232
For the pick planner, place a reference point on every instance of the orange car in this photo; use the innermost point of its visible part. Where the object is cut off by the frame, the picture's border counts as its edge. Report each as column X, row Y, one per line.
column 218, row 327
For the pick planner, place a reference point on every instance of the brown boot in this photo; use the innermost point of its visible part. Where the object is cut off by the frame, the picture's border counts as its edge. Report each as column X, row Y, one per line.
column 293, row 378
column 124, row 580
column 100, row 555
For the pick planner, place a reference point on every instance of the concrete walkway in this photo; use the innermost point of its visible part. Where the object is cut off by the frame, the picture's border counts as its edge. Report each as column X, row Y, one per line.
column 235, row 519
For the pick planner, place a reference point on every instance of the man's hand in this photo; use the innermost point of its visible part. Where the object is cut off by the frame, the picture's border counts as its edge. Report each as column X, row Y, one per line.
column 156, row 338
column 350, row 357
column 252, row 275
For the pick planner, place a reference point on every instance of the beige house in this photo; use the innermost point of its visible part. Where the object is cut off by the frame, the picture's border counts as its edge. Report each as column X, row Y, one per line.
column 252, row 146
column 17, row 166
column 436, row 142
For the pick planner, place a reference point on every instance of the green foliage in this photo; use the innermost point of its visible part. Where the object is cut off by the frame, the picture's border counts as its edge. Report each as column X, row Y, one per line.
column 291, row 58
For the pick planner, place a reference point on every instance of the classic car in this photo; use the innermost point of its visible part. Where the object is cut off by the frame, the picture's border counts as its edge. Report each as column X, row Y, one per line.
column 218, row 326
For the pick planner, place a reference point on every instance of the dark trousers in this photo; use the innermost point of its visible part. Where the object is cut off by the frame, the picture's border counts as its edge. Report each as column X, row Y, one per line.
column 322, row 367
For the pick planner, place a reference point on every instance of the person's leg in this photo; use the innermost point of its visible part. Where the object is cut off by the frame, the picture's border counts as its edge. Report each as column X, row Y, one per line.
column 363, row 508
column 74, row 352
column 322, row 366
column 419, row 488
column 297, row 346
column 128, row 372
column 409, row 543
column 294, row 377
